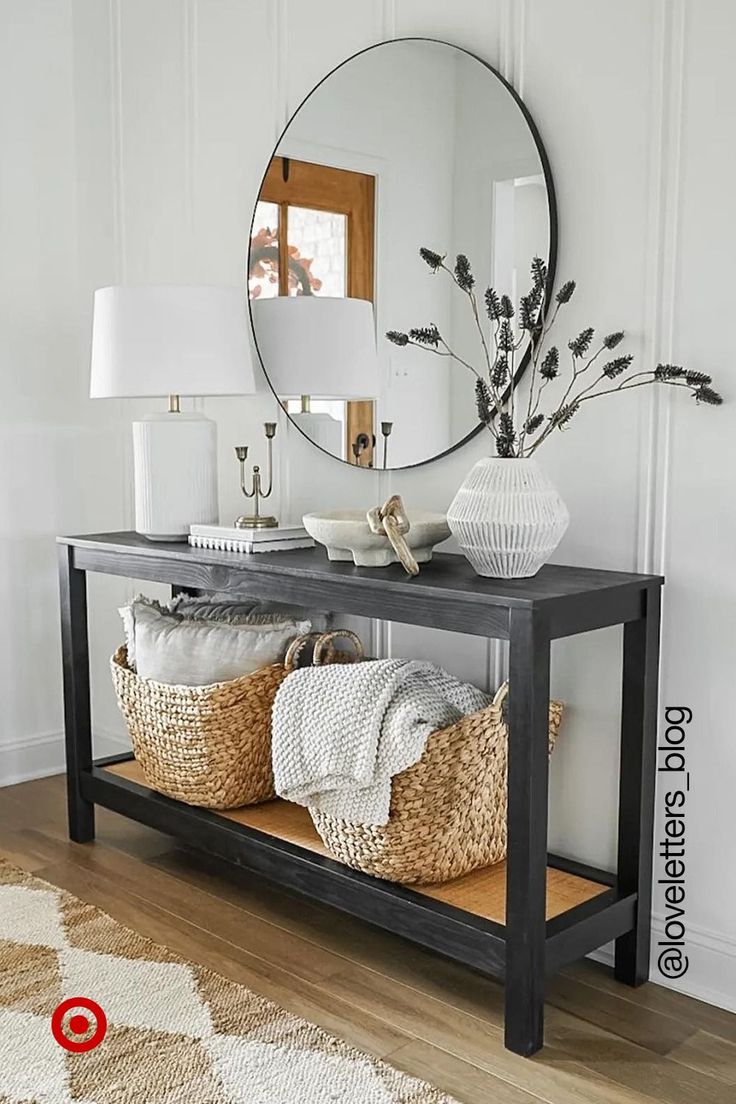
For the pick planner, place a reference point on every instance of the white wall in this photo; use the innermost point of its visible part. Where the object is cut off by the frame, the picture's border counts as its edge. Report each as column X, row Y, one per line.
column 133, row 137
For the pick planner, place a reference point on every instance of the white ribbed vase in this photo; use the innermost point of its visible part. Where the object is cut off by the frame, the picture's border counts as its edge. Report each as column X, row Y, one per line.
column 507, row 518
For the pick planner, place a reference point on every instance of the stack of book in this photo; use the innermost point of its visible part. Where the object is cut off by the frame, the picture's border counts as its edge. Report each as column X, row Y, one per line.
column 226, row 538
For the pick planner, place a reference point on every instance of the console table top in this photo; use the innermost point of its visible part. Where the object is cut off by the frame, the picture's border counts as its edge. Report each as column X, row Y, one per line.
column 447, row 592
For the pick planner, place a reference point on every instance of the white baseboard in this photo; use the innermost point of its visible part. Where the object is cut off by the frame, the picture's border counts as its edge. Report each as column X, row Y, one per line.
column 41, row 756
column 711, row 975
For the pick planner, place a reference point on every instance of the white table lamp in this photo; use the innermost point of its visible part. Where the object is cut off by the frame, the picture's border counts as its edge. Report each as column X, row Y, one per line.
column 172, row 341
column 315, row 347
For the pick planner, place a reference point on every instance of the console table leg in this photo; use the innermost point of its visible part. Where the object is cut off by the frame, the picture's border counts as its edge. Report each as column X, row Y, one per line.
column 637, row 785
column 77, row 717
column 526, row 869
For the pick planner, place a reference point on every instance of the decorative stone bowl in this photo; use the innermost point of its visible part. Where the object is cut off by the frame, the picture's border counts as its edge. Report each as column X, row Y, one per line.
column 347, row 536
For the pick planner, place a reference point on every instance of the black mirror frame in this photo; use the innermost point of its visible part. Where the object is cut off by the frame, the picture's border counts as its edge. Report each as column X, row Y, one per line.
column 553, row 234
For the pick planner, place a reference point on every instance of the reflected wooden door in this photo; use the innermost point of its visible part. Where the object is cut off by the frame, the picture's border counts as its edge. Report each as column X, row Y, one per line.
column 313, row 235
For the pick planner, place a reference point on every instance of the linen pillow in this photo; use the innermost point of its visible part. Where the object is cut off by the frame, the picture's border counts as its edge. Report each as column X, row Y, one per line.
column 181, row 652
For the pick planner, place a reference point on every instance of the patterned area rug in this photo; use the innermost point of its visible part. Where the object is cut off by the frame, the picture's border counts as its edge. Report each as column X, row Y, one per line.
column 176, row 1032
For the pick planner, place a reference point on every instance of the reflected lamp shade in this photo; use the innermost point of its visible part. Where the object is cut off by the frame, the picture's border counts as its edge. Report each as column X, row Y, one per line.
column 318, row 347
column 156, row 341
column 321, row 347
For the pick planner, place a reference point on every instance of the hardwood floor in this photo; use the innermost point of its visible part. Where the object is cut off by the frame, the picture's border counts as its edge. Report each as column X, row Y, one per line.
column 606, row 1044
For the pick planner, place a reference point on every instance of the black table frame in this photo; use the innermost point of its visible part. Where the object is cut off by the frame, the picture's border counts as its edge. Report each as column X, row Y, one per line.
column 529, row 613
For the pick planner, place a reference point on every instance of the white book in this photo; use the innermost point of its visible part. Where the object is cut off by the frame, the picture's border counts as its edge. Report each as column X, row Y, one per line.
column 252, row 536
column 230, row 544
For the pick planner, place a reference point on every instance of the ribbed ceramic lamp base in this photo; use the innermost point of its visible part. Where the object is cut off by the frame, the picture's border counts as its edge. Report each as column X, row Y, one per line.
column 175, row 461
column 508, row 518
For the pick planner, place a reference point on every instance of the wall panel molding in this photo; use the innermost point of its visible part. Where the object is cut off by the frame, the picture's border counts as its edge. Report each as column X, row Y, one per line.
column 668, row 67
column 117, row 176
column 672, row 243
column 511, row 53
column 190, row 16
column 280, row 42
column 278, row 16
column 190, row 13
column 388, row 19
column 509, row 46
column 116, row 144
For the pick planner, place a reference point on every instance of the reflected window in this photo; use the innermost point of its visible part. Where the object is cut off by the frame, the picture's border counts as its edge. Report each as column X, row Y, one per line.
column 318, row 250
column 313, row 235
column 263, row 270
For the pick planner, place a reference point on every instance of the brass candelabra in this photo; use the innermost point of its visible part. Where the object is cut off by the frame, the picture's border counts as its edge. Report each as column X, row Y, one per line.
column 386, row 428
column 257, row 520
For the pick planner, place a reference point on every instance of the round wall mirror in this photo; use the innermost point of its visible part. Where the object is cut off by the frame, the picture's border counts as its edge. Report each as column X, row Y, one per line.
column 410, row 145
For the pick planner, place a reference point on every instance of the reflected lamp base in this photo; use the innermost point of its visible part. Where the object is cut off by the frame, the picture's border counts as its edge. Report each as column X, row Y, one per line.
column 323, row 429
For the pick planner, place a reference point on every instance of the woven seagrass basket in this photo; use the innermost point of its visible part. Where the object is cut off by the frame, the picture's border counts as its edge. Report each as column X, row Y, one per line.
column 204, row 745
column 448, row 811
column 211, row 745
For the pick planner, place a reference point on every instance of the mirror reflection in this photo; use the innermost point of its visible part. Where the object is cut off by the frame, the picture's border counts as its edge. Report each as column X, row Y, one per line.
column 410, row 144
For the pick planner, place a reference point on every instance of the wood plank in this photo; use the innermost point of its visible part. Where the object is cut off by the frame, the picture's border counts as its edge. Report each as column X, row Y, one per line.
column 556, row 1074
column 579, row 1062
column 651, row 1029
column 695, row 1013
column 463, row 1080
column 710, row 1055
column 482, row 892
column 630, row 1066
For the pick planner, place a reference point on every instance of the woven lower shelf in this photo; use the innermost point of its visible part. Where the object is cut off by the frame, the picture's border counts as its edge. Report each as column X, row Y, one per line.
column 483, row 892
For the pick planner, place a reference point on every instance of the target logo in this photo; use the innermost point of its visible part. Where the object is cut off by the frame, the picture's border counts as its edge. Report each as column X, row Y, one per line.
column 73, row 1029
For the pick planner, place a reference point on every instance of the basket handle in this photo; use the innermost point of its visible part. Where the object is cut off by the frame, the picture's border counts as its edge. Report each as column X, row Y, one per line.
column 501, row 693
column 296, row 648
column 326, row 641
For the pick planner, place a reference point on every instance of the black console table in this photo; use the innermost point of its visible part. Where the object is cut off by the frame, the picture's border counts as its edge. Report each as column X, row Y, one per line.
column 555, row 910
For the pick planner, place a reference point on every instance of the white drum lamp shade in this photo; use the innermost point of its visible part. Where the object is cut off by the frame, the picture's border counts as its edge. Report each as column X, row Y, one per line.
column 318, row 348
column 156, row 341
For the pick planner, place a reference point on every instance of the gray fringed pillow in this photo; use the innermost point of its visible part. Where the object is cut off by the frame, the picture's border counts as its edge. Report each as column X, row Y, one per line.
column 177, row 650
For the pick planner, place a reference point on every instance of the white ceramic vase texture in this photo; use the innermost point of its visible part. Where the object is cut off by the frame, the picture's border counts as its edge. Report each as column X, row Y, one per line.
column 507, row 518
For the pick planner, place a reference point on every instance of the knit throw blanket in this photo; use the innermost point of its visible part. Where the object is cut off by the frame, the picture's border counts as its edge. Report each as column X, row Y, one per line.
column 341, row 732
